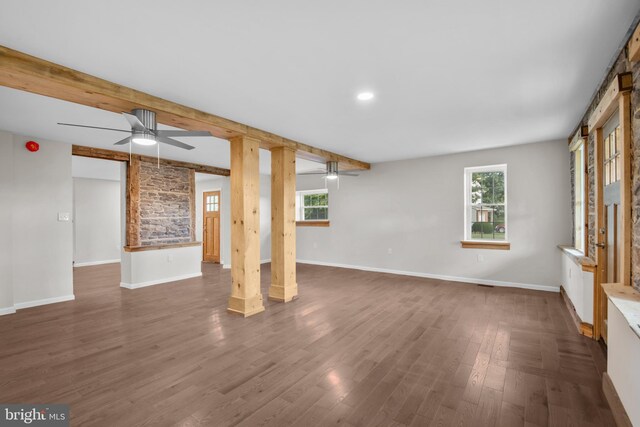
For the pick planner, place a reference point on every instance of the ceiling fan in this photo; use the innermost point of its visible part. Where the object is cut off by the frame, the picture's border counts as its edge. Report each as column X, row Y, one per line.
column 331, row 172
column 144, row 130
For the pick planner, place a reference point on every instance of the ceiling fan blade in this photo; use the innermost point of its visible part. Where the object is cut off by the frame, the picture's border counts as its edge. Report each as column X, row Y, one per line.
column 135, row 123
column 173, row 142
column 93, row 127
column 348, row 174
column 183, row 133
column 312, row 173
column 123, row 141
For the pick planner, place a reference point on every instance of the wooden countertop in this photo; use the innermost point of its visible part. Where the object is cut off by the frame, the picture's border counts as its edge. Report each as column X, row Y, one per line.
column 159, row 247
column 577, row 256
column 627, row 300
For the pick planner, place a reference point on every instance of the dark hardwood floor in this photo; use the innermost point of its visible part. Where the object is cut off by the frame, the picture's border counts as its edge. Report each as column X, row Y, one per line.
column 356, row 349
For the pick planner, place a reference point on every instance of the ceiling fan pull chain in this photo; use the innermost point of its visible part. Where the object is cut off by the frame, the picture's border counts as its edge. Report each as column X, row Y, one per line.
column 158, row 145
column 130, row 152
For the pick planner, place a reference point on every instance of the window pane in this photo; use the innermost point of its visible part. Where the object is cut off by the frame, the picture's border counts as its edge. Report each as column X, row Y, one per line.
column 487, row 187
column 488, row 222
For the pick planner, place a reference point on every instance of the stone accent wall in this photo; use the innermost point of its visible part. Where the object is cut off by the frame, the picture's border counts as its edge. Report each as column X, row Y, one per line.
column 621, row 65
column 590, row 244
column 572, row 167
column 166, row 203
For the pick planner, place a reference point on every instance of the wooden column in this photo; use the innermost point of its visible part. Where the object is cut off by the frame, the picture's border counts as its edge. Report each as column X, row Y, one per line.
column 133, row 202
column 246, row 298
column 283, row 225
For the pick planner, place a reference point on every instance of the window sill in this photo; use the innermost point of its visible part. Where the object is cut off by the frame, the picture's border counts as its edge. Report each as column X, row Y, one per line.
column 479, row 244
column 159, row 247
column 312, row 223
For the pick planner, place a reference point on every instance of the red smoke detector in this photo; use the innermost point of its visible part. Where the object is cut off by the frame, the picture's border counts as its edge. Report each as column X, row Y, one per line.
column 32, row 146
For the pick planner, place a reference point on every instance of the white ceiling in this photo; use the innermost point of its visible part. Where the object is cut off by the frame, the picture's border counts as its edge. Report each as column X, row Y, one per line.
column 449, row 76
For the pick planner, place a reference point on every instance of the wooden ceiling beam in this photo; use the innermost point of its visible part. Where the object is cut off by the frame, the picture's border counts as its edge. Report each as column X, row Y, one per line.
column 25, row 72
column 120, row 156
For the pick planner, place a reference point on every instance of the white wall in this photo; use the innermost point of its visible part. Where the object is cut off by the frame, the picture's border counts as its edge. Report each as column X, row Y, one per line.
column 96, row 204
column 623, row 353
column 145, row 268
column 415, row 210
column 578, row 285
column 213, row 183
column 265, row 218
column 6, row 202
column 42, row 246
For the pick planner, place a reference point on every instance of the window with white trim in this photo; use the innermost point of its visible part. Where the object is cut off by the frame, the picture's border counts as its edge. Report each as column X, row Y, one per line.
column 486, row 203
column 578, row 196
column 312, row 205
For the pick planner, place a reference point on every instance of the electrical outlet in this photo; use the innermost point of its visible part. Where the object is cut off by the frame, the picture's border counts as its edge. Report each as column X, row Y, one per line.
column 64, row 216
column 480, row 258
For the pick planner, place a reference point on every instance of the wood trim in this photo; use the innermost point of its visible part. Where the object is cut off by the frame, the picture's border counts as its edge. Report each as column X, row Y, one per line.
column 469, row 244
column 192, row 203
column 626, row 201
column 586, row 329
column 623, row 82
column 121, row 156
column 581, row 135
column 25, row 72
column 633, row 47
column 313, row 223
column 615, row 404
column 133, row 203
column 160, row 247
column 600, row 256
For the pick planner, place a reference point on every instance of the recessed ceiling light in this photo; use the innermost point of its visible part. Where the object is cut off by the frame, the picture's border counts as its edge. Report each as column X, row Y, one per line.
column 365, row 96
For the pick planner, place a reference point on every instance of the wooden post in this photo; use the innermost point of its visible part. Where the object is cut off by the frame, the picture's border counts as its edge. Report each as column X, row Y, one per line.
column 133, row 202
column 624, row 108
column 283, row 225
column 246, row 298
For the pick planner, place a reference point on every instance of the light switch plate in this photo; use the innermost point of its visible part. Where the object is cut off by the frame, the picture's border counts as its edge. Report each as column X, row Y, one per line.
column 64, row 216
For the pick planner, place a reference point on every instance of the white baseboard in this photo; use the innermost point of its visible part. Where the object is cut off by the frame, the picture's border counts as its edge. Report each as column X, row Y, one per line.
column 262, row 261
column 87, row 264
column 45, row 301
column 159, row 281
column 546, row 288
column 7, row 310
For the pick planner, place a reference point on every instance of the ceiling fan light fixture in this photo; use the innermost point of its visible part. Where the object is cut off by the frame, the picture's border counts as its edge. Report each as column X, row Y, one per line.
column 143, row 138
column 332, row 177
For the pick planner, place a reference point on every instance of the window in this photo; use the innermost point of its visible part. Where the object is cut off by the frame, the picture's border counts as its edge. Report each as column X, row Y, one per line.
column 578, row 195
column 312, row 205
column 612, row 145
column 213, row 203
column 486, row 203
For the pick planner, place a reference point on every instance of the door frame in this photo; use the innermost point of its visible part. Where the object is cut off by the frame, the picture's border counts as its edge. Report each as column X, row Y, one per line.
column 617, row 97
column 204, row 219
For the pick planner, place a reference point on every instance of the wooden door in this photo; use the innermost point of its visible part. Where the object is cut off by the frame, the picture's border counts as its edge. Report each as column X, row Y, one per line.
column 611, row 232
column 211, row 226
